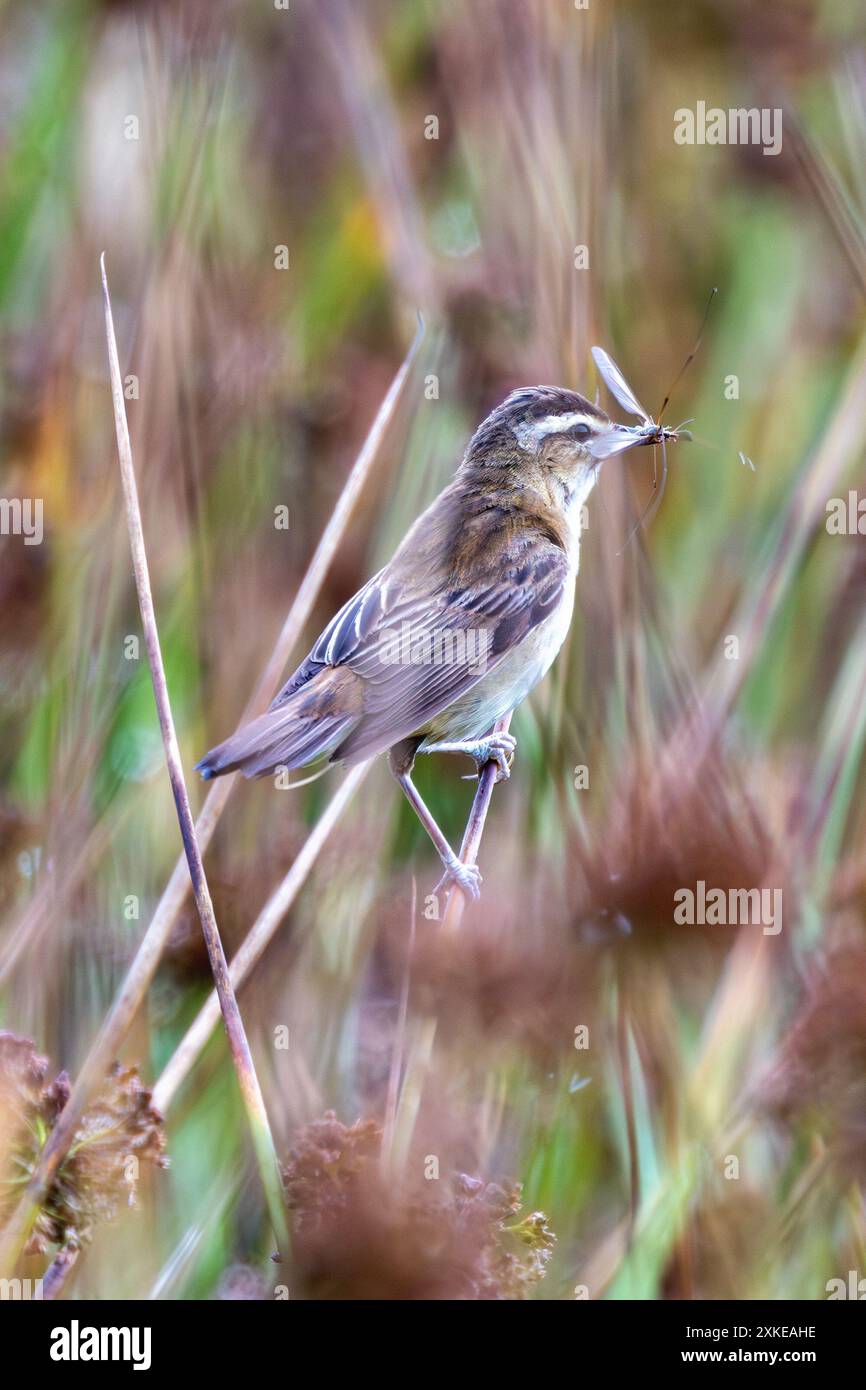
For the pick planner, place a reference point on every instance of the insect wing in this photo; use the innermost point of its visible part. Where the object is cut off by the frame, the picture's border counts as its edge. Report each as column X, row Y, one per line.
column 617, row 384
column 606, row 446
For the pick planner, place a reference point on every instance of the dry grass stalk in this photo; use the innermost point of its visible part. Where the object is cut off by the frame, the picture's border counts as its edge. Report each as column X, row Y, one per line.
column 144, row 965
column 239, row 1047
column 22, row 1219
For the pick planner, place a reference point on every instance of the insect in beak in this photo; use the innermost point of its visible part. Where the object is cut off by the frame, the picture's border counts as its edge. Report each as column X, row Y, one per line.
column 649, row 431
column 653, row 433
column 616, row 440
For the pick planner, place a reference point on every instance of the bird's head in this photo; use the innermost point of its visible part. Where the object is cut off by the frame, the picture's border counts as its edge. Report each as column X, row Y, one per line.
column 552, row 432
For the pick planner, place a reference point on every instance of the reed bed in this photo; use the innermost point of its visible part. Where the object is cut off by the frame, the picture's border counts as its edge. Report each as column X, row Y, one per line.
column 561, row 1091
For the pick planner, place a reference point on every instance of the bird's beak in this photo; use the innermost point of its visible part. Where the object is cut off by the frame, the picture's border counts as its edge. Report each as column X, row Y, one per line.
column 615, row 441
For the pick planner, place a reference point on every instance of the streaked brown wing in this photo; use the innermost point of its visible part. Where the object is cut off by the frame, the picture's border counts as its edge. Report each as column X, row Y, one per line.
column 347, row 630
column 419, row 653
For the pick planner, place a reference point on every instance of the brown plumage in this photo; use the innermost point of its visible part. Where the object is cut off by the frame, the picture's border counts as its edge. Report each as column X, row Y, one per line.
column 464, row 620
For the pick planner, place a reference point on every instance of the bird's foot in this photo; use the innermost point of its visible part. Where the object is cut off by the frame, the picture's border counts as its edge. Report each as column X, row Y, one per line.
column 467, row 877
column 497, row 748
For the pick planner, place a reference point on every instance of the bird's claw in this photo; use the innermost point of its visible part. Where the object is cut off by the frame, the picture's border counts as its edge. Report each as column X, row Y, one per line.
column 467, row 878
column 498, row 748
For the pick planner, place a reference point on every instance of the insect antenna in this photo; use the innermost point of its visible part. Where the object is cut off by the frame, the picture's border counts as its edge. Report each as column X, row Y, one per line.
column 676, row 381
column 658, row 491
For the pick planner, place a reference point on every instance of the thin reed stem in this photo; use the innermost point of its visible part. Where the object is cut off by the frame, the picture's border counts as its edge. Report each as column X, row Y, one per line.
column 239, row 1047
column 143, row 967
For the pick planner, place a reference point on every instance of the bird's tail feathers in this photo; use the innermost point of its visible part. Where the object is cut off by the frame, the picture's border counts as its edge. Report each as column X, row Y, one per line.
column 306, row 726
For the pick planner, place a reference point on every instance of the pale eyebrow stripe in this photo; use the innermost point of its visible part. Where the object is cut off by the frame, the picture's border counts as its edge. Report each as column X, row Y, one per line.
column 529, row 433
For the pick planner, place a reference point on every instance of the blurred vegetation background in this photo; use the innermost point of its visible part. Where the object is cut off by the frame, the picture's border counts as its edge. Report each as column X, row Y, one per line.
column 710, row 1140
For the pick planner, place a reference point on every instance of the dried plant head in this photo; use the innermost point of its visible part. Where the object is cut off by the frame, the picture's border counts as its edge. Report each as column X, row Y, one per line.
column 818, row 1082
column 29, row 1106
column 362, row 1233
column 118, row 1132
column 667, row 831
column 515, row 974
column 326, row 1165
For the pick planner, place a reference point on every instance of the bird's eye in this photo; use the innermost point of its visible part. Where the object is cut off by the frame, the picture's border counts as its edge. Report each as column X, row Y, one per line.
column 579, row 431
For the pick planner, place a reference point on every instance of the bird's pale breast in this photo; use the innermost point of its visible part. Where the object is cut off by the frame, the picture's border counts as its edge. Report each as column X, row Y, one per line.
column 509, row 683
